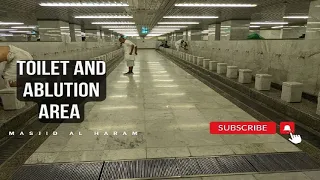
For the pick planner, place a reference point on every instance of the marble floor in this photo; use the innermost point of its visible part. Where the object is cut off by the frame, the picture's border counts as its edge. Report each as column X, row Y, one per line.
column 168, row 108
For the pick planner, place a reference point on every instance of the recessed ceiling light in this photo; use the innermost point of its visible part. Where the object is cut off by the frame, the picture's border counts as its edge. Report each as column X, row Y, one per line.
column 216, row 5
column 83, row 4
column 254, row 26
column 269, row 23
column 10, row 23
column 111, row 17
column 191, row 17
column 113, row 23
column 296, row 17
column 178, row 23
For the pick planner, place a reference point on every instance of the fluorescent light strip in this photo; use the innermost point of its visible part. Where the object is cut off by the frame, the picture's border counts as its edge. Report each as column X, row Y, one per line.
column 178, row 23
column 277, row 27
column 170, row 27
column 192, row 17
column 24, row 27
column 128, row 32
column 113, row 23
column 114, row 27
column 9, row 23
column 20, row 31
column 254, row 26
column 158, row 32
column 296, row 17
column 83, row 4
column 313, row 22
column 269, row 23
column 116, row 17
column 8, row 30
column 123, row 29
column 164, row 29
column 5, row 35
column 216, row 5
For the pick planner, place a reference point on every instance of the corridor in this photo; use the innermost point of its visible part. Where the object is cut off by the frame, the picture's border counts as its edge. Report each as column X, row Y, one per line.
column 169, row 109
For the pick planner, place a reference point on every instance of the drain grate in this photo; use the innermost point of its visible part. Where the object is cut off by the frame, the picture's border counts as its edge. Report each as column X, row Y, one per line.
column 70, row 171
column 162, row 168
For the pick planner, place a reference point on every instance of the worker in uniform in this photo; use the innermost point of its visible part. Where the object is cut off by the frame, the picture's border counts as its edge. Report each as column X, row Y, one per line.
column 10, row 55
column 128, row 53
column 178, row 44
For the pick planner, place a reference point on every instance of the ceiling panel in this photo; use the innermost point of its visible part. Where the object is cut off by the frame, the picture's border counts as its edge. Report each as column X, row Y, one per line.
column 150, row 12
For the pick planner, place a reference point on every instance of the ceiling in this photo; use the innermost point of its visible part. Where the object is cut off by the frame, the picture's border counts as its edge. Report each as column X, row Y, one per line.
column 149, row 12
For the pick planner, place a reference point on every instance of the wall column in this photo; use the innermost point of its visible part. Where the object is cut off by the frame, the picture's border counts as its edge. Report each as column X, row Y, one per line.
column 313, row 26
column 75, row 33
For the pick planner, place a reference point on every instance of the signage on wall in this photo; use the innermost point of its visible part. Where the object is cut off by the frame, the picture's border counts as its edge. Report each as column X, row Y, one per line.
column 144, row 30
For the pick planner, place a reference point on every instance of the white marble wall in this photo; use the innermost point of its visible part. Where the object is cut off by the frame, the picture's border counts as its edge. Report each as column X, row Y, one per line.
column 293, row 32
column 271, row 34
column 286, row 60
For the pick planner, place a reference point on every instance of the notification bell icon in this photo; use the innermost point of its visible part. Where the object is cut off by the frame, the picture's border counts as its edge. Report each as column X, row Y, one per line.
column 286, row 128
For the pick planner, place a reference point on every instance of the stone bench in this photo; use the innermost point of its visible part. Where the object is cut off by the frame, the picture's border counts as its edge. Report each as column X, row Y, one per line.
column 206, row 63
column 104, row 58
column 9, row 99
column 221, row 68
column 291, row 91
column 188, row 57
column 232, row 72
column 109, row 57
column 245, row 76
column 213, row 65
column 263, row 82
column 200, row 61
column 183, row 56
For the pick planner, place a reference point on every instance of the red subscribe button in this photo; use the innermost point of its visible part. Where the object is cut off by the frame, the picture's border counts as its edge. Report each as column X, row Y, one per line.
column 243, row 128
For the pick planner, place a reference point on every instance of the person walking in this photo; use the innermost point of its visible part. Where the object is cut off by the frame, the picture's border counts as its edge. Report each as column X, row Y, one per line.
column 128, row 51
